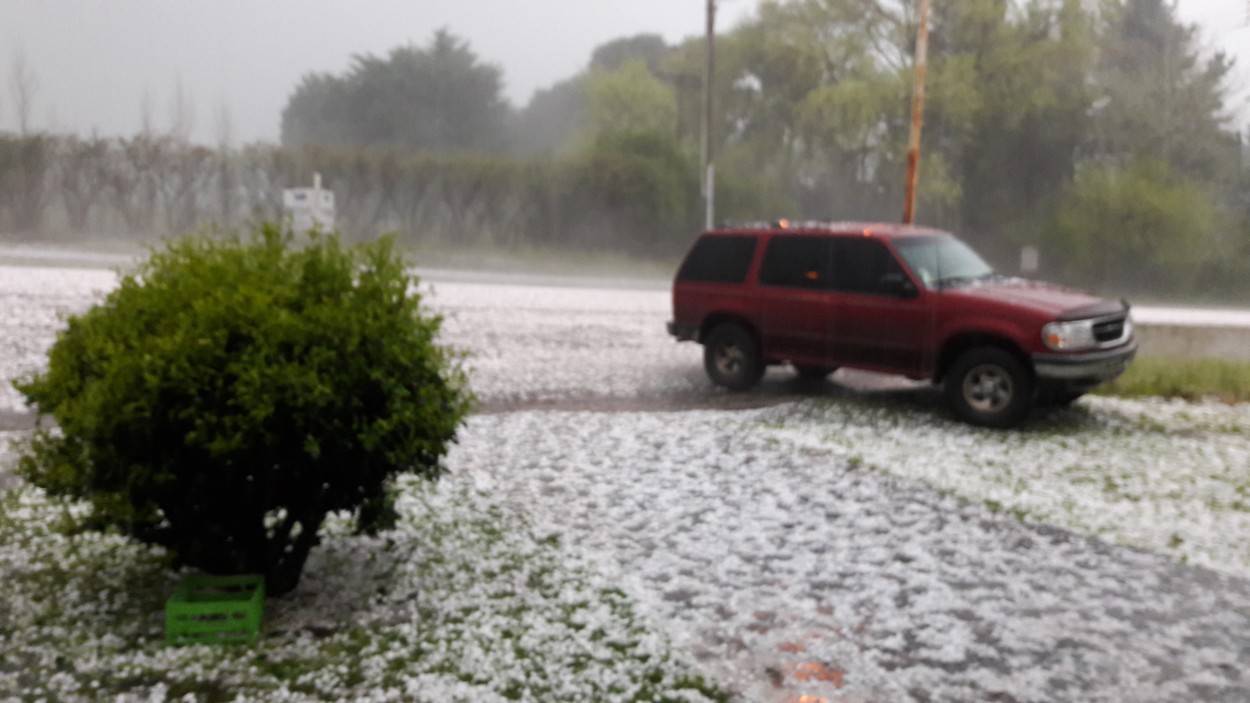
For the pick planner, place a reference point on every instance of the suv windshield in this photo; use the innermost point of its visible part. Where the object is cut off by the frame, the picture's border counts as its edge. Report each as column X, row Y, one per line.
column 942, row 261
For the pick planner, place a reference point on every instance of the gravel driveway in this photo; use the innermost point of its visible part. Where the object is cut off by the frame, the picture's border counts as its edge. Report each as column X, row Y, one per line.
column 793, row 571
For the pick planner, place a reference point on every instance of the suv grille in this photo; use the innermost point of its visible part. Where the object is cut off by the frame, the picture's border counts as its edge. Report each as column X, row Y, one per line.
column 1109, row 330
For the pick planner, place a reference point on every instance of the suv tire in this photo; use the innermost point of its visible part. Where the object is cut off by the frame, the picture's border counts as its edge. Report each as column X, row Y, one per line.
column 990, row 387
column 731, row 357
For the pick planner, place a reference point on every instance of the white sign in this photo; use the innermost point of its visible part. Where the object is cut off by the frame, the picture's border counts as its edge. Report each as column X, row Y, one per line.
column 309, row 207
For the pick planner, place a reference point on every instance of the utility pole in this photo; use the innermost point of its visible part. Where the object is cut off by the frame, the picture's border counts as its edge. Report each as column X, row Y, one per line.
column 917, row 113
column 709, row 170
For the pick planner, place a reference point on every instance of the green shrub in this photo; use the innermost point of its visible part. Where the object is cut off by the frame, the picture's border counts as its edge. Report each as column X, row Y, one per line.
column 233, row 391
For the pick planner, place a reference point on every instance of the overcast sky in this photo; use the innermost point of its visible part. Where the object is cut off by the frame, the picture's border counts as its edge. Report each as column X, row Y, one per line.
column 96, row 63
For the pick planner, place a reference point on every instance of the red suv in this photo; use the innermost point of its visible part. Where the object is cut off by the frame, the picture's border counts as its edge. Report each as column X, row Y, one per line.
column 897, row 299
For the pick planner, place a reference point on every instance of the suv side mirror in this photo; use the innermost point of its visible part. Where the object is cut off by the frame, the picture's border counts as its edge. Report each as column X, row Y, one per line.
column 899, row 285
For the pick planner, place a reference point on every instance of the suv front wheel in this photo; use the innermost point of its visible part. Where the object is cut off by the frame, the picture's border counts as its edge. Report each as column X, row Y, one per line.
column 988, row 386
column 731, row 358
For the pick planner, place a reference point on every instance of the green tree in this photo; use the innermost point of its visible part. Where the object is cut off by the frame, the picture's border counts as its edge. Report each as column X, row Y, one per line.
column 633, row 191
column 440, row 99
column 651, row 49
column 1009, row 105
column 775, row 62
column 816, row 99
column 557, row 117
column 630, row 99
column 319, row 112
column 1157, row 96
column 232, row 392
column 1138, row 227
column 1155, row 156
column 552, row 119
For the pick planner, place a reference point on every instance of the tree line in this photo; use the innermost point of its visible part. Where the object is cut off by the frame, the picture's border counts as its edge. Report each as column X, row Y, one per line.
column 1096, row 132
column 627, row 193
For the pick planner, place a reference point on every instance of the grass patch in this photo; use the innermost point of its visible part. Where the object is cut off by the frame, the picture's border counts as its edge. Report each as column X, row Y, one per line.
column 1189, row 379
column 460, row 602
column 1169, row 476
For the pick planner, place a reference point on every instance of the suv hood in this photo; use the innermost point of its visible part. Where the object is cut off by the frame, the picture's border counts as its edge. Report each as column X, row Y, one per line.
column 1045, row 298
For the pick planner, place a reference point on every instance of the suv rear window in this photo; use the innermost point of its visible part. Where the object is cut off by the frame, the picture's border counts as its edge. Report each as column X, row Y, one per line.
column 719, row 260
column 843, row 264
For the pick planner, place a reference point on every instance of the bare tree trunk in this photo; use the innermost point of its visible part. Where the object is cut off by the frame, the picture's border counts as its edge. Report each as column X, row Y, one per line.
column 83, row 179
column 28, row 182
column 23, row 84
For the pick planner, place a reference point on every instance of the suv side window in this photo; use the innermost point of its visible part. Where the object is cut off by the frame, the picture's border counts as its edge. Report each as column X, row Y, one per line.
column 860, row 265
column 797, row 262
column 719, row 260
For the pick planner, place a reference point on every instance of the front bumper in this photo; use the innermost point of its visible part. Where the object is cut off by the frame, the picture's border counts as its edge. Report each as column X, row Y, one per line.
column 1092, row 367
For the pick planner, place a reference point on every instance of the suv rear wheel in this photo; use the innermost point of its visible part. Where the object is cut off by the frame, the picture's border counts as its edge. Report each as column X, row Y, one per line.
column 989, row 387
column 731, row 358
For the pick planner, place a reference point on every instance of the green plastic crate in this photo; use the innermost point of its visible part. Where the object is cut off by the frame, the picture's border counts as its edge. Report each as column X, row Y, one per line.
column 215, row 610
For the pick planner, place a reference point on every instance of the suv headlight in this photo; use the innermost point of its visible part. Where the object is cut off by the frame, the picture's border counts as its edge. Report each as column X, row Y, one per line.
column 1067, row 336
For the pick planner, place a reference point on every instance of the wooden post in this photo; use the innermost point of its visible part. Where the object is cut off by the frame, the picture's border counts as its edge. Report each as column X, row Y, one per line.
column 917, row 114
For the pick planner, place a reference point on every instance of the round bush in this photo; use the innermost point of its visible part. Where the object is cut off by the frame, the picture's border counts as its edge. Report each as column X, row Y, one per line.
column 233, row 390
